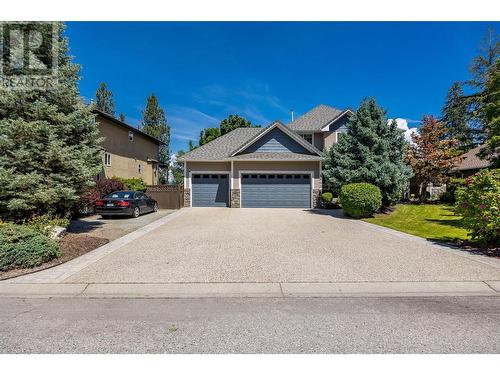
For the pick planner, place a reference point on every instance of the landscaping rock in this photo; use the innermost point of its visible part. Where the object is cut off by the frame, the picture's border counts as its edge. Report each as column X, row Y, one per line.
column 57, row 233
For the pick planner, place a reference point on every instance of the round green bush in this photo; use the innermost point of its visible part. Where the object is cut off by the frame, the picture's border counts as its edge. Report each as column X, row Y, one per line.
column 23, row 247
column 360, row 199
column 327, row 197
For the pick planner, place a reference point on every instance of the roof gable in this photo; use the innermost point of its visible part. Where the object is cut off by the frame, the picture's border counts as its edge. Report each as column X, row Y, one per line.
column 338, row 123
column 277, row 138
column 275, row 141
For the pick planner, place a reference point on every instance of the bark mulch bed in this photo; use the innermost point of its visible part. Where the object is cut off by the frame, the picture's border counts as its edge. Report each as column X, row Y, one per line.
column 72, row 245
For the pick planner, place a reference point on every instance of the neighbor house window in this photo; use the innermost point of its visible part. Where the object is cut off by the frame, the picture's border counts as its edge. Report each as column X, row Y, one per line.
column 307, row 137
column 139, row 168
column 130, row 136
column 107, row 159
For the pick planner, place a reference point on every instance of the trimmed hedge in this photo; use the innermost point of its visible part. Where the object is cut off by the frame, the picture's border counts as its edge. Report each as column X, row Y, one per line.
column 360, row 199
column 23, row 247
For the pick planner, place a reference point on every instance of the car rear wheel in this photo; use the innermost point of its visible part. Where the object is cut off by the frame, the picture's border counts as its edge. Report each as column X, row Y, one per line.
column 137, row 212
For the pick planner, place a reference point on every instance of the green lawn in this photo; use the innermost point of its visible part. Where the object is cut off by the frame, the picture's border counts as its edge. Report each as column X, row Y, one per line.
column 431, row 221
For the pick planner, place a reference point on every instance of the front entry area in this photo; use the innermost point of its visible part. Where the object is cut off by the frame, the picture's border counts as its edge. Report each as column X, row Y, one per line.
column 210, row 190
column 275, row 190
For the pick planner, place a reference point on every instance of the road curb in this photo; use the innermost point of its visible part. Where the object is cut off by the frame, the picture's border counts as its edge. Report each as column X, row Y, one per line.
column 251, row 290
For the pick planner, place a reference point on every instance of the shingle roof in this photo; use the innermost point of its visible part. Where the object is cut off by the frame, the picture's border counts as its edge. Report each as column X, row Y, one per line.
column 231, row 144
column 221, row 148
column 315, row 119
column 470, row 160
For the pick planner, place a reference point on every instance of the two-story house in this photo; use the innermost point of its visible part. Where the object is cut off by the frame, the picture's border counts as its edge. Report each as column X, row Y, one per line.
column 126, row 151
column 276, row 166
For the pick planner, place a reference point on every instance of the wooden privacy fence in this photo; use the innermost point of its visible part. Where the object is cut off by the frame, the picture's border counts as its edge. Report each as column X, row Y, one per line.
column 167, row 196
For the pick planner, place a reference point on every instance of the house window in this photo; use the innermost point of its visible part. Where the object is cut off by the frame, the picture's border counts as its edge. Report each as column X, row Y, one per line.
column 130, row 136
column 107, row 159
column 139, row 168
column 307, row 137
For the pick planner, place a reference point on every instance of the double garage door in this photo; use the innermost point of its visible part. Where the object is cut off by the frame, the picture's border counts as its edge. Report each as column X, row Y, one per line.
column 257, row 190
column 276, row 190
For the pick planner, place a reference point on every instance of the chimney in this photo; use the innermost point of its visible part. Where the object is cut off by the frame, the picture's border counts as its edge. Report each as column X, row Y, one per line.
column 292, row 114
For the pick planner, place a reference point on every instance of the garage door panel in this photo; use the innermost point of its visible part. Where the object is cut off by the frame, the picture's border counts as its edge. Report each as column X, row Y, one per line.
column 276, row 191
column 210, row 190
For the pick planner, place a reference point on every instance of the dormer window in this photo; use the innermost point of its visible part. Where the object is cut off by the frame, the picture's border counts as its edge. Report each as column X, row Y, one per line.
column 307, row 137
column 130, row 136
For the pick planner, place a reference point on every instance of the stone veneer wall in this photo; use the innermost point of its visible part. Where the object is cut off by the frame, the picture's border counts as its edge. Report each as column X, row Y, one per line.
column 235, row 198
column 187, row 197
column 316, row 198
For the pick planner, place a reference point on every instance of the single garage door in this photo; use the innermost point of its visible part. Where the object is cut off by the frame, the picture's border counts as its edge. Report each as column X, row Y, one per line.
column 210, row 190
column 276, row 190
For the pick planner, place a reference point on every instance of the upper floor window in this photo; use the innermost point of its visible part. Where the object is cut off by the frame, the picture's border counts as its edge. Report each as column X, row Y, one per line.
column 139, row 168
column 107, row 159
column 130, row 136
column 307, row 137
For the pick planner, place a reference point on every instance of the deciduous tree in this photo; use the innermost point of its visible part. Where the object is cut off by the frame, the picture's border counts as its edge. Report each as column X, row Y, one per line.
column 431, row 156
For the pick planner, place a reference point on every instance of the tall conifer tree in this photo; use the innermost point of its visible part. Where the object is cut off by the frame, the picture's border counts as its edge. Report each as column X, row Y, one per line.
column 49, row 145
column 370, row 151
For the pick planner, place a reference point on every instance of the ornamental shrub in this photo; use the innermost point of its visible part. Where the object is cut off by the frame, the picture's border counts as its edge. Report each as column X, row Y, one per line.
column 360, row 199
column 135, row 183
column 327, row 197
column 102, row 187
column 451, row 188
column 24, row 247
column 479, row 204
column 45, row 223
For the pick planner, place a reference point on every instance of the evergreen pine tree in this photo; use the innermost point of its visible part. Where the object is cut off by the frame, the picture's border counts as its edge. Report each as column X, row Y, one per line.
column 456, row 118
column 49, row 145
column 155, row 124
column 104, row 100
column 370, row 151
column 491, row 100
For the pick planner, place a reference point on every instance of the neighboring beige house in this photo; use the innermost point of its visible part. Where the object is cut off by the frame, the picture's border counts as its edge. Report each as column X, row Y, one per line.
column 276, row 166
column 126, row 151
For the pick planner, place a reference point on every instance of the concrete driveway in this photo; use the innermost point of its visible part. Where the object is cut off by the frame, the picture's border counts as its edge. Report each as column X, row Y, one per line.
column 203, row 245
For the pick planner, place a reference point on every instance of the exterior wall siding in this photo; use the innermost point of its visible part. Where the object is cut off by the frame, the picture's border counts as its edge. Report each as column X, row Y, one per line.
column 318, row 141
column 276, row 141
column 126, row 155
column 330, row 139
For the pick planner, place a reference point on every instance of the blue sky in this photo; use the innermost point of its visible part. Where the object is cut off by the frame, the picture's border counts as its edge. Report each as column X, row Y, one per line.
column 204, row 71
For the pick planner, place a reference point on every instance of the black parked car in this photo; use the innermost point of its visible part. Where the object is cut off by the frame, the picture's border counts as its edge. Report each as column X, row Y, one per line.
column 128, row 203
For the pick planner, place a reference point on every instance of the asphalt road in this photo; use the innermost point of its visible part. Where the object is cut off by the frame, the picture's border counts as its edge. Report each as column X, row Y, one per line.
column 285, row 325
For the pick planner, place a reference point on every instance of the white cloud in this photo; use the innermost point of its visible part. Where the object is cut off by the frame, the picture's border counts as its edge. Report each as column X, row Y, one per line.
column 403, row 125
